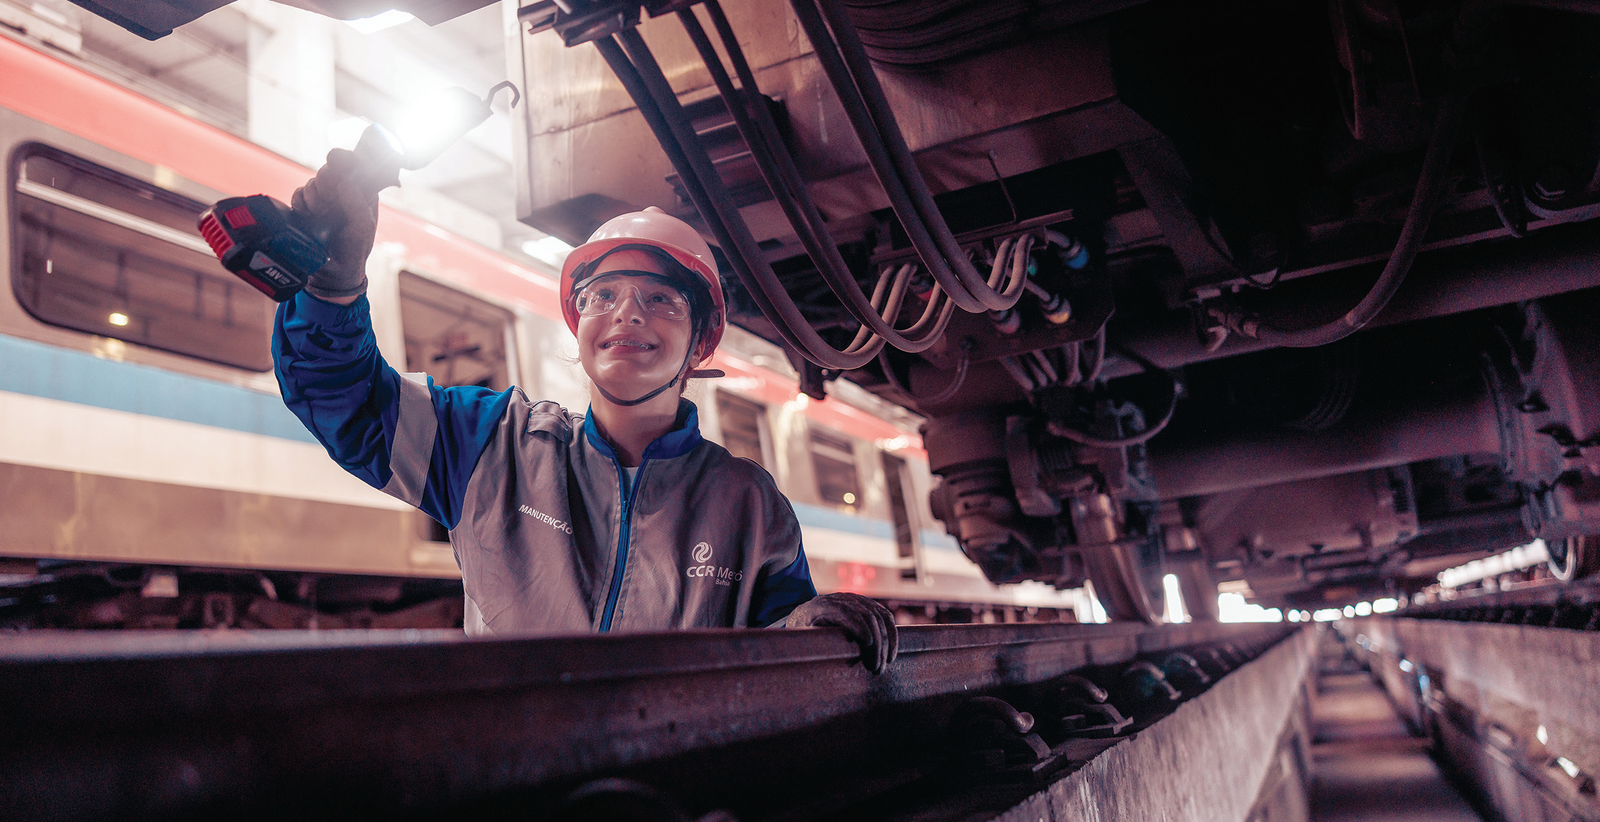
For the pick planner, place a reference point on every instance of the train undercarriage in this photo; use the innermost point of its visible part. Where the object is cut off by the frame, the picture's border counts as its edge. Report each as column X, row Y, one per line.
column 1287, row 295
column 1293, row 296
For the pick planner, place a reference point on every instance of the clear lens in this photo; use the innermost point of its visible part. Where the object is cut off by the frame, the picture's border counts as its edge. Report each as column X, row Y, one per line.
column 659, row 299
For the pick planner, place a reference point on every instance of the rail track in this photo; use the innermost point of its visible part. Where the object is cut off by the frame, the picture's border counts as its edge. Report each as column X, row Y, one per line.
column 1543, row 604
column 973, row 722
column 997, row 721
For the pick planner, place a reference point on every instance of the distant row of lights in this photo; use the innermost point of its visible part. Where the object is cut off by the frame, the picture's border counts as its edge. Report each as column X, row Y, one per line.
column 1360, row 609
column 1516, row 559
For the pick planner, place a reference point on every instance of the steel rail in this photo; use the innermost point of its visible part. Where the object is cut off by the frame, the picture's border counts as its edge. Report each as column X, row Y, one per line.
column 129, row 724
column 1539, row 604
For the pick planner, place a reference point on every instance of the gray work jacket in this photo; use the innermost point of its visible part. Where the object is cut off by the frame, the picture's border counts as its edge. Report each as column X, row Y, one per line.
column 550, row 535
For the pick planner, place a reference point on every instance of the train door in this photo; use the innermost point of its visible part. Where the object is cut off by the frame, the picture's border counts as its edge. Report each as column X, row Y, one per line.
column 902, row 517
column 457, row 339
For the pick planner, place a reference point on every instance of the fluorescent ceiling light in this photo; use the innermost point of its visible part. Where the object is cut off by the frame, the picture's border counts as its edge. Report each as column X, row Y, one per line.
column 379, row 22
column 547, row 250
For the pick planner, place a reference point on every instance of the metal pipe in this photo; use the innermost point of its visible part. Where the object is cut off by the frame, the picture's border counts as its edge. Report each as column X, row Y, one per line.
column 938, row 256
column 777, row 167
column 1378, row 436
column 1430, row 192
column 859, row 69
column 1557, row 261
column 634, row 65
column 939, row 308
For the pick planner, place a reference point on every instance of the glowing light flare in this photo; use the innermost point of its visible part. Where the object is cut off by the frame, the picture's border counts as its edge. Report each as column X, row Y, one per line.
column 1232, row 608
column 1363, row 609
column 1516, row 559
column 1567, row 765
column 1176, row 610
column 855, row 576
column 1326, row 615
column 1542, row 735
column 849, row 498
column 346, row 132
column 741, row 385
column 1385, row 605
column 893, row 444
column 1089, row 608
column 434, row 121
column 1350, row 611
column 117, row 318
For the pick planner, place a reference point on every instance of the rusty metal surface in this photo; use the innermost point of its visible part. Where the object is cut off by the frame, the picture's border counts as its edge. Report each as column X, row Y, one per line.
column 98, row 726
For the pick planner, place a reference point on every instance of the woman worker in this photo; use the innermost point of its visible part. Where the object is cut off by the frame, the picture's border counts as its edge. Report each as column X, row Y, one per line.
column 620, row 519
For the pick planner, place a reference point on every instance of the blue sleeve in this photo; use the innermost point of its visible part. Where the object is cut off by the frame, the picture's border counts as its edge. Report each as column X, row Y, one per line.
column 779, row 593
column 333, row 378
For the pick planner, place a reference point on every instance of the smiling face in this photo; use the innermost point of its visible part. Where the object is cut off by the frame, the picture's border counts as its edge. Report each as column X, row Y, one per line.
column 636, row 346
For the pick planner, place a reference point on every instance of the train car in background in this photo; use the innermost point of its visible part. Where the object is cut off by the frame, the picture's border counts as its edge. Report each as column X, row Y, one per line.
column 150, row 476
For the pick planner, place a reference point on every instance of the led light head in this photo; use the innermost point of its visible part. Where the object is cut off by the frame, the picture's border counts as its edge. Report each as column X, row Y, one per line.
column 432, row 124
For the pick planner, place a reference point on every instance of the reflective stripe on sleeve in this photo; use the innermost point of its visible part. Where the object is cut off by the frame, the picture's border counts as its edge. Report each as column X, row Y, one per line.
column 416, row 427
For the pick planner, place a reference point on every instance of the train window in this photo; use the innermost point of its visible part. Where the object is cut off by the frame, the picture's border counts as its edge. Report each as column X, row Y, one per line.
column 456, row 339
column 101, row 252
column 740, row 420
column 905, row 531
column 834, row 460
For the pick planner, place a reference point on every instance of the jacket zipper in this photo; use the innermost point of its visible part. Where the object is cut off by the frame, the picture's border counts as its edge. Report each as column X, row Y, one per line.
column 622, row 541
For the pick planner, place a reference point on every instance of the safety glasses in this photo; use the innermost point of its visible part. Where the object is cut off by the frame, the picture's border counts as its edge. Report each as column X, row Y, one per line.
column 654, row 295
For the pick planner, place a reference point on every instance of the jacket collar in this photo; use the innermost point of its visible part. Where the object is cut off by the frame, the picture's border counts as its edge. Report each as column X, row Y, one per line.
column 682, row 439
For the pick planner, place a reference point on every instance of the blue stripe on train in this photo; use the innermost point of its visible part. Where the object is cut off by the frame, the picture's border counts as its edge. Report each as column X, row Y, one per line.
column 815, row 516
column 73, row 376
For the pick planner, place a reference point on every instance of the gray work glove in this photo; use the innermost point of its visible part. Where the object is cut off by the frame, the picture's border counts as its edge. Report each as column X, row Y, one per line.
column 345, row 194
column 865, row 621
